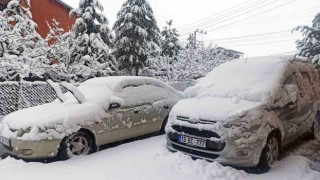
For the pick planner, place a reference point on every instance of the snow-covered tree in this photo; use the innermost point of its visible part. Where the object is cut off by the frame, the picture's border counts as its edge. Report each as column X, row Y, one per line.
column 309, row 46
column 89, row 48
column 191, row 64
column 137, row 35
column 58, row 55
column 170, row 44
column 22, row 50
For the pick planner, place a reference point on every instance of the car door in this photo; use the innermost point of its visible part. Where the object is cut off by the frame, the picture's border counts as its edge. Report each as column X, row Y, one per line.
column 135, row 107
column 159, row 103
column 295, row 118
column 121, row 122
column 306, row 111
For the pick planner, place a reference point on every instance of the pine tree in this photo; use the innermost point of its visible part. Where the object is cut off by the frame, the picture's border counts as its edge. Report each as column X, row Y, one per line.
column 22, row 50
column 137, row 35
column 309, row 46
column 170, row 45
column 162, row 65
column 90, row 54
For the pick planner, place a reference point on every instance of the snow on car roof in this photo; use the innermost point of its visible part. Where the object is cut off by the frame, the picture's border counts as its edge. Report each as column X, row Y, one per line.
column 253, row 79
column 117, row 83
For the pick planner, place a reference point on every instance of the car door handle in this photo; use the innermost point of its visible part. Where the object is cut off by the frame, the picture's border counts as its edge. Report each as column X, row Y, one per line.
column 137, row 111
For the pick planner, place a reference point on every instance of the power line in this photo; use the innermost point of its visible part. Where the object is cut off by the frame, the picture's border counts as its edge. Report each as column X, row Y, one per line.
column 253, row 35
column 290, row 14
column 250, row 44
column 236, row 14
column 254, row 6
column 257, row 39
column 268, row 10
column 212, row 15
column 277, row 18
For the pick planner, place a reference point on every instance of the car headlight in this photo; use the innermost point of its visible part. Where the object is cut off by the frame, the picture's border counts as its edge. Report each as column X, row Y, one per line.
column 231, row 124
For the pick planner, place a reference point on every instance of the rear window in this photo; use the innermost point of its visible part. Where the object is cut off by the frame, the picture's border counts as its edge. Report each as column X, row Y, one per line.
column 144, row 94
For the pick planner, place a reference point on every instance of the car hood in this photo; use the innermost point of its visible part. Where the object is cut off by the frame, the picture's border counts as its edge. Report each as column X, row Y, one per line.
column 214, row 109
column 49, row 115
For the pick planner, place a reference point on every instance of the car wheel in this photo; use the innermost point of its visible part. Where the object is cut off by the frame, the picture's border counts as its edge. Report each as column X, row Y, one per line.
column 163, row 126
column 270, row 153
column 79, row 143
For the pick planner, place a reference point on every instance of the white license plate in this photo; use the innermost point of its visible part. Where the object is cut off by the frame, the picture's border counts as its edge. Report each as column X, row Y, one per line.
column 5, row 141
column 191, row 141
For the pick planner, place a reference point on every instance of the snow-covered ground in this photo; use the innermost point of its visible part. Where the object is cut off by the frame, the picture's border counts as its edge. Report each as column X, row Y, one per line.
column 149, row 159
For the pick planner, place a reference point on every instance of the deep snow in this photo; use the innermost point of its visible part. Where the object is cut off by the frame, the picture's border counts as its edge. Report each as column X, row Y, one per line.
column 148, row 159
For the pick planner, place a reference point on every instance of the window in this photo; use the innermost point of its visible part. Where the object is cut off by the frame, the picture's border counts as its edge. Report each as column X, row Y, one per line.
column 143, row 94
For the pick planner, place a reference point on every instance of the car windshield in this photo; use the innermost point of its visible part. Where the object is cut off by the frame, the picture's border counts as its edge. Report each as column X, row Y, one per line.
column 253, row 79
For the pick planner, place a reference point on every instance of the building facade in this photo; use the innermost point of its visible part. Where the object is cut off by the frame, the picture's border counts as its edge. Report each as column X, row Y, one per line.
column 44, row 11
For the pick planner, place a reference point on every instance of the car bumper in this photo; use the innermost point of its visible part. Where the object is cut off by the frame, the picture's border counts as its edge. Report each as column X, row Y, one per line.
column 32, row 149
column 228, row 156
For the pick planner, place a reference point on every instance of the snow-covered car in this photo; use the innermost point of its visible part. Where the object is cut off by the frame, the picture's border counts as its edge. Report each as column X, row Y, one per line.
column 99, row 111
column 244, row 111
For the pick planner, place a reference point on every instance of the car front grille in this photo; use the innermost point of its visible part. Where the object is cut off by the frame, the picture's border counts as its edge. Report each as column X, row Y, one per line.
column 195, row 132
column 195, row 152
column 200, row 121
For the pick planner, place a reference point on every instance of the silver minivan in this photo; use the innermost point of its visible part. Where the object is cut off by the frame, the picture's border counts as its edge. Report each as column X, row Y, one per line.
column 244, row 111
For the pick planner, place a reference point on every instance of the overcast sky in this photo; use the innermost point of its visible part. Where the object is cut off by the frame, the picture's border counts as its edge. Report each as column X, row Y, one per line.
column 264, row 23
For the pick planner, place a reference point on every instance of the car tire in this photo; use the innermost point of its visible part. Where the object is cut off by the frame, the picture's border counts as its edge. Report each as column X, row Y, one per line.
column 79, row 143
column 270, row 153
column 163, row 126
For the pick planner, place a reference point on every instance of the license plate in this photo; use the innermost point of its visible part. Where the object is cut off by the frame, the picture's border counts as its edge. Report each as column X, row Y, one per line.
column 5, row 141
column 191, row 141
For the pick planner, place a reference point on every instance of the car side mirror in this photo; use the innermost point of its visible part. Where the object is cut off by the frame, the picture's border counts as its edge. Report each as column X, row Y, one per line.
column 291, row 104
column 114, row 105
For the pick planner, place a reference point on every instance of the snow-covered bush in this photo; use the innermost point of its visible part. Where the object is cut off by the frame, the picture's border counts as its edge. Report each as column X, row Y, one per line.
column 137, row 35
column 22, row 50
column 189, row 64
column 309, row 46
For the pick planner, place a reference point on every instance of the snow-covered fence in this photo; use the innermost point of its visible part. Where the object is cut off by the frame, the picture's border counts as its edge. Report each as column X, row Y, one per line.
column 20, row 95
column 8, row 97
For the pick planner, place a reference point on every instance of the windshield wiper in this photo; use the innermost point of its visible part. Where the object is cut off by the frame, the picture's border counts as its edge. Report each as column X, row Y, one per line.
column 75, row 92
column 57, row 90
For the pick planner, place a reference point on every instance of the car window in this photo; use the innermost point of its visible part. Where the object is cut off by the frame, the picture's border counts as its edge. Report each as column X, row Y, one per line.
column 143, row 94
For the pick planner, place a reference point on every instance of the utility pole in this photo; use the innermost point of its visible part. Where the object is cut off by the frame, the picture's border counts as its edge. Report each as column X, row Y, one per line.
column 202, row 32
column 193, row 38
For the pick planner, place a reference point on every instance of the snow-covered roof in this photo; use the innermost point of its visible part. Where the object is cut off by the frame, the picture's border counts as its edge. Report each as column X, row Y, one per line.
column 62, row 2
column 252, row 79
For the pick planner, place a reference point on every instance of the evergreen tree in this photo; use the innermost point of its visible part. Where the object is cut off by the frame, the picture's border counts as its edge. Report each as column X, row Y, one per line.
column 90, row 54
column 309, row 46
column 137, row 35
column 22, row 50
column 170, row 45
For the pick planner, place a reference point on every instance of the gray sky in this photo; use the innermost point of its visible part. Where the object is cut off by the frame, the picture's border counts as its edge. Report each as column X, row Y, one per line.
column 231, row 19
